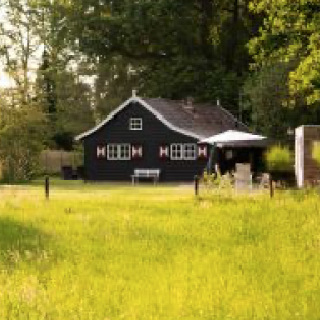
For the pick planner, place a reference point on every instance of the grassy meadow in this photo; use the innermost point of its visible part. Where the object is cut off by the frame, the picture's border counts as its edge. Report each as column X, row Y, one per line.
column 122, row 252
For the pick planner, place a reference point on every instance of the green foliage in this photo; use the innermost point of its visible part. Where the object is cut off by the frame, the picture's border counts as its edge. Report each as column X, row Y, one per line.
column 113, row 83
column 106, row 252
column 171, row 46
column 279, row 159
column 22, row 139
column 274, row 111
column 218, row 184
column 316, row 152
column 291, row 30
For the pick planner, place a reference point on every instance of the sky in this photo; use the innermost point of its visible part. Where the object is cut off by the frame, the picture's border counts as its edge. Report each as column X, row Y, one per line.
column 5, row 81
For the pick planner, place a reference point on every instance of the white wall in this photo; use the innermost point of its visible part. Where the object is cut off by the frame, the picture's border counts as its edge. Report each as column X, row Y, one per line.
column 299, row 162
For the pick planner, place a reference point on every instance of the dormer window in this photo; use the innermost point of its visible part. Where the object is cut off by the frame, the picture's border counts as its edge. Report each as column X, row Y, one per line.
column 136, row 124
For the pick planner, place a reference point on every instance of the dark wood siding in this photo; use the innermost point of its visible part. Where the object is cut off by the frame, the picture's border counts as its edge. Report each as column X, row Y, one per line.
column 311, row 168
column 153, row 135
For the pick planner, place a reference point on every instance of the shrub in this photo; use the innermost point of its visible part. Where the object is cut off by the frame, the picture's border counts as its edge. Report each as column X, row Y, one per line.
column 217, row 183
column 22, row 134
column 279, row 159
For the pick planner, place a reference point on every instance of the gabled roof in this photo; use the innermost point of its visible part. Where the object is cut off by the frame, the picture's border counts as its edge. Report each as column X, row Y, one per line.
column 199, row 121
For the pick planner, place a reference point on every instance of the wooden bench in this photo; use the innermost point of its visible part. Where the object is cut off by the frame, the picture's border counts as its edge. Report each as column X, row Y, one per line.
column 146, row 174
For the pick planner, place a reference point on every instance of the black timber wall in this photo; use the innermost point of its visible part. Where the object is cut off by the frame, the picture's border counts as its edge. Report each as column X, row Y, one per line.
column 154, row 134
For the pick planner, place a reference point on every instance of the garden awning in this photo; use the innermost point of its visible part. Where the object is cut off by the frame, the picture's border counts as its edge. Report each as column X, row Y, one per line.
column 233, row 138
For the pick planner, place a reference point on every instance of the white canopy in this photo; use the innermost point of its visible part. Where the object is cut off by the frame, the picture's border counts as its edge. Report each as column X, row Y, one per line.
column 233, row 136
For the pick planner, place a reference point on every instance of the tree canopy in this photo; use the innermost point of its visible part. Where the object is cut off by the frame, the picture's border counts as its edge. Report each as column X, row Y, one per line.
column 291, row 31
column 177, row 48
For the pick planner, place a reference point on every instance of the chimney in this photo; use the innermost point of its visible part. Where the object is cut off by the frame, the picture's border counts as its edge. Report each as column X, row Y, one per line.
column 189, row 104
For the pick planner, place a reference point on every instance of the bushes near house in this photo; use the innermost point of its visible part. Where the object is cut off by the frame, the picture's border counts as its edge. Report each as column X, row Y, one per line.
column 279, row 159
column 316, row 152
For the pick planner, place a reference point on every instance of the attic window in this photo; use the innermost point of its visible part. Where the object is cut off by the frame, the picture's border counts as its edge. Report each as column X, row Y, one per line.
column 136, row 124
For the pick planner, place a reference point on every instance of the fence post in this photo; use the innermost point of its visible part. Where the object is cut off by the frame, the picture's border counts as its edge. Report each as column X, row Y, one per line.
column 196, row 185
column 271, row 187
column 47, row 187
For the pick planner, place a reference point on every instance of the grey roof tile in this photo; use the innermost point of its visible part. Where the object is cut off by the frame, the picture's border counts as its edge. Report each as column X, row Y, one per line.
column 202, row 119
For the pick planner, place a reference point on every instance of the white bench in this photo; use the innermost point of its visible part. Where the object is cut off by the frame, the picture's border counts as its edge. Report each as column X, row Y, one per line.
column 145, row 174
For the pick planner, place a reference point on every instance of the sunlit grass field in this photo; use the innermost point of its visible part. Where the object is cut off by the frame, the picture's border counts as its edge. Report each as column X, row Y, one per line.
column 122, row 252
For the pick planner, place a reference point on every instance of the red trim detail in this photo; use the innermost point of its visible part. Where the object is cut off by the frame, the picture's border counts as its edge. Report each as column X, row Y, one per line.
column 101, row 152
column 164, row 152
column 202, row 151
column 137, row 151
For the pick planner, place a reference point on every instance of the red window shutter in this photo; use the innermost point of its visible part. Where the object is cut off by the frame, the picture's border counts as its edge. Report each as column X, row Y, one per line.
column 164, row 152
column 137, row 151
column 202, row 151
column 101, row 152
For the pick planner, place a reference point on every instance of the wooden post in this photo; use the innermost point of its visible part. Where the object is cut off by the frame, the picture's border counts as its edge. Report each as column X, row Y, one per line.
column 47, row 187
column 196, row 185
column 271, row 187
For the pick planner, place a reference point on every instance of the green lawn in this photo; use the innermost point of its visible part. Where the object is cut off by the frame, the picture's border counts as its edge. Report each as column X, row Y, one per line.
column 122, row 252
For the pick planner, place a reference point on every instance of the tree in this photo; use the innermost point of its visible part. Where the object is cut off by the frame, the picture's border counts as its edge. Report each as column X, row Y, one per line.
column 63, row 96
column 176, row 48
column 19, row 46
column 291, row 31
column 114, row 80
column 274, row 111
column 74, row 113
column 22, row 122
column 22, row 137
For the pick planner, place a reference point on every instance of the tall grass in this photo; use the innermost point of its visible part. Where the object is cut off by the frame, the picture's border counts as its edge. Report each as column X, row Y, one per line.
column 101, row 252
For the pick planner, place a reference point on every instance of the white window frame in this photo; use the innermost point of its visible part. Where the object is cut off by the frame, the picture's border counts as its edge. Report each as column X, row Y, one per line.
column 112, row 152
column 175, row 149
column 180, row 151
column 190, row 151
column 136, row 124
column 119, row 152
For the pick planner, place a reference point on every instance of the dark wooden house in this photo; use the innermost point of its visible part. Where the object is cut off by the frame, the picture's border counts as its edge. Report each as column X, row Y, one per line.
column 154, row 134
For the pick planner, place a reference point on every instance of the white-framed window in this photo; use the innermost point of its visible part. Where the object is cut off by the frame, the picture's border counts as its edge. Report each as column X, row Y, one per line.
column 176, row 151
column 112, row 152
column 136, row 124
column 190, row 151
column 119, row 152
column 180, row 151
column 124, row 151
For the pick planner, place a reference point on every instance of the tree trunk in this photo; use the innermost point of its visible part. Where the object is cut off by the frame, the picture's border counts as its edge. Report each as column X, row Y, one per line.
column 206, row 7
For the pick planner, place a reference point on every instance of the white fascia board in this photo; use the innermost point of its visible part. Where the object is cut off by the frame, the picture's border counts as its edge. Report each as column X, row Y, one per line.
column 148, row 107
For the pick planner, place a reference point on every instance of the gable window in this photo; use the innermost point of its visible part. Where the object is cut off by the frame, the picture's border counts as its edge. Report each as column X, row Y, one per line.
column 119, row 152
column 179, row 151
column 136, row 124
